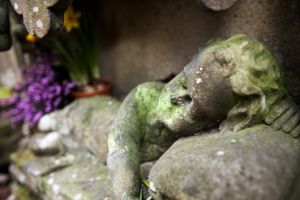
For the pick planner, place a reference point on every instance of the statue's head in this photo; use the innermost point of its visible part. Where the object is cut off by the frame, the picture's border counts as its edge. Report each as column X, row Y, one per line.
column 236, row 81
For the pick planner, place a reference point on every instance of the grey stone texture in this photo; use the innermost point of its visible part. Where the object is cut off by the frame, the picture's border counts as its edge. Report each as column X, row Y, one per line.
column 147, row 40
column 69, row 161
column 256, row 163
column 41, row 17
column 83, row 123
column 77, row 175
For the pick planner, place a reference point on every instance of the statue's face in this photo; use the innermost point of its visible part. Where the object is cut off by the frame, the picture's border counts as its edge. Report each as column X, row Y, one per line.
column 199, row 97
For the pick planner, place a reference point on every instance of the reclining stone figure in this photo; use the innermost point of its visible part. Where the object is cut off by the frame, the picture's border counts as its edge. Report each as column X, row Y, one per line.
column 228, row 88
column 230, row 85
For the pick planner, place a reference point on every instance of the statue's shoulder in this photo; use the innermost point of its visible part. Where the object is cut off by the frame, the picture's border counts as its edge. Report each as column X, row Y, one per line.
column 148, row 90
column 152, row 86
column 143, row 97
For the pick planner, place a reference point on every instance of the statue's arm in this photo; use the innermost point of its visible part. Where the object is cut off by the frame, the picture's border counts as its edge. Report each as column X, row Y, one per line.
column 124, row 144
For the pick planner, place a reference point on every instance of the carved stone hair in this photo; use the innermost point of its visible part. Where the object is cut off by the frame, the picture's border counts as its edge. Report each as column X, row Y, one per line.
column 255, row 76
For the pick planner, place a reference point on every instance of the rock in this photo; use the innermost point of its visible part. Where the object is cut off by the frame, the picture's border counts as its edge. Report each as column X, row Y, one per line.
column 47, row 122
column 145, row 169
column 255, row 163
column 84, row 123
column 46, row 144
column 41, row 17
column 20, row 192
column 77, row 175
column 78, row 170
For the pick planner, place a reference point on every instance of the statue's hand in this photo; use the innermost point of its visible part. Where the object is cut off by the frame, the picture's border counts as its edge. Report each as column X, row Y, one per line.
column 286, row 117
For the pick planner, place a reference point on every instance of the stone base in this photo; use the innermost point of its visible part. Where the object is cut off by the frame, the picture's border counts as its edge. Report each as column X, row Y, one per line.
column 256, row 163
column 77, row 175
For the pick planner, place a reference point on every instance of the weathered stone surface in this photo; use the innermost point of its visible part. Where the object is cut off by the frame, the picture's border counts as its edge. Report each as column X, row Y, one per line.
column 77, row 175
column 41, row 16
column 20, row 192
column 256, row 163
column 46, row 144
column 84, row 123
column 79, row 181
column 230, row 84
column 69, row 161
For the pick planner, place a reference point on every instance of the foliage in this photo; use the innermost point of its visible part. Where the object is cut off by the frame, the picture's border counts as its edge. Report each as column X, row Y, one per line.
column 77, row 47
column 42, row 91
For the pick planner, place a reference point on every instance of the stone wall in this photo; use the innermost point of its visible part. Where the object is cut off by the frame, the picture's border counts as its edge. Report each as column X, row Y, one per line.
column 145, row 40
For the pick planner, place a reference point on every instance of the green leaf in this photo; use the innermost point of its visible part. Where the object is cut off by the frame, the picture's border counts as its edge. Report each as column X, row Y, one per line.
column 141, row 195
column 146, row 183
column 79, row 51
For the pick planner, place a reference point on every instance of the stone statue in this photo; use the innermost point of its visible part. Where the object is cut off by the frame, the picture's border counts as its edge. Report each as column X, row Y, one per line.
column 230, row 85
column 41, row 17
column 229, row 98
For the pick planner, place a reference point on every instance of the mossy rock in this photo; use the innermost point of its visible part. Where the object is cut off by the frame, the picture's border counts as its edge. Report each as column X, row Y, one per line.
column 256, row 163
column 22, row 193
column 62, row 177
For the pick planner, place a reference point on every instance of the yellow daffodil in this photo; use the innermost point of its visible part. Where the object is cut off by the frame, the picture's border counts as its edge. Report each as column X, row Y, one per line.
column 31, row 38
column 71, row 19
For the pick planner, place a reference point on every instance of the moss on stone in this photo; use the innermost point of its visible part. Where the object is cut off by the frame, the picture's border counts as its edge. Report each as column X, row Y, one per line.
column 254, row 73
column 147, row 95
column 22, row 193
column 22, row 156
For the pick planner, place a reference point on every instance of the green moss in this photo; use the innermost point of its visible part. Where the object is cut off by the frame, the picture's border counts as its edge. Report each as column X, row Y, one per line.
column 147, row 95
column 254, row 73
column 22, row 156
column 22, row 193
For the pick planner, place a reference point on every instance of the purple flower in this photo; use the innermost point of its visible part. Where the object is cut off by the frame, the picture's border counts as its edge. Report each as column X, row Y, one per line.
column 41, row 92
